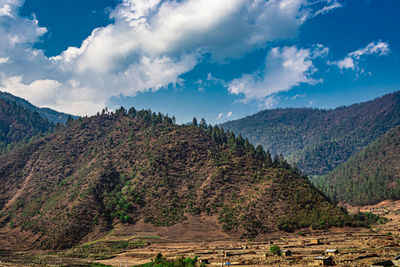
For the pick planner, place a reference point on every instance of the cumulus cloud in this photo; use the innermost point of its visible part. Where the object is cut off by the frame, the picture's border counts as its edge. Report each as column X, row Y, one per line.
column 284, row 68
column 351, row 61
column 150, row 44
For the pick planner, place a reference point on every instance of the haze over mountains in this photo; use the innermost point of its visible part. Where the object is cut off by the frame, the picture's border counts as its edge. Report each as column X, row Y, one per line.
column 320, row 140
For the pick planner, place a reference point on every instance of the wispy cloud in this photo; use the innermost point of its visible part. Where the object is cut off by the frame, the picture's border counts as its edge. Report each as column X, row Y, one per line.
column 224, row 116
column 331, row 5
column 269, row 102
column 351, row 61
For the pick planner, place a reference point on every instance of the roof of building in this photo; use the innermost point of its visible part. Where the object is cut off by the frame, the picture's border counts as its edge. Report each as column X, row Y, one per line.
column 284, row 250
column 323, row 258
column 397, row 258
column 331, row 250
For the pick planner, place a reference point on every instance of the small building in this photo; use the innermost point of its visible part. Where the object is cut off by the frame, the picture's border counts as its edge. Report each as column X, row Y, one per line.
column 382, row 264
column 323, row 261
column 331, row 252
column 315, row 241
column 285, row 252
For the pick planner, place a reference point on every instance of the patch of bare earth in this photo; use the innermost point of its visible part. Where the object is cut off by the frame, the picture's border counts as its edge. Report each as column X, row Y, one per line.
column 357, row 246
column 202, row 237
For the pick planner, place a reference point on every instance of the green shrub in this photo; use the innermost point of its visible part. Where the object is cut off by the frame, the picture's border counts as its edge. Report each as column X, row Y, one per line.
column 274, row 249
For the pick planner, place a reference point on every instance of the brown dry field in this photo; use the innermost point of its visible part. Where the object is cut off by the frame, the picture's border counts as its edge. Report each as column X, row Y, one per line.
column 200, row 236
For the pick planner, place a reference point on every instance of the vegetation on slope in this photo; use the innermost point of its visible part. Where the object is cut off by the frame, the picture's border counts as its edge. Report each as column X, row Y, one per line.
column 371, row 176
column 125, row 166
column 161, row 261
column 320, row 140
column 19, row 125
column 47, row 113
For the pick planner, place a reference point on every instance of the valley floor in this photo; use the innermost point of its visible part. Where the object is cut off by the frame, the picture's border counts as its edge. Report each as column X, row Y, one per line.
column 357, row 246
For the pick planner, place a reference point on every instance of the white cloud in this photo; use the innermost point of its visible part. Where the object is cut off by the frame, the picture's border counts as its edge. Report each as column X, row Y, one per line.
column 346, row 63
column 149, row 45
column 39, row 91
column 224, row 116
column 6, row 11
column 333, row 4
column 269, row 102
column 284, row 68
column 298, row 96
column 4, row 60
column 351, row 61
column 380, row 48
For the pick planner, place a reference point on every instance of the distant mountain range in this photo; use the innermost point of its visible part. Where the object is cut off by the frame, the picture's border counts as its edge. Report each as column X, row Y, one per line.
column 18, row 124
column 320, row 140
column 122, row 167
column 368, row 177
column 49, row 114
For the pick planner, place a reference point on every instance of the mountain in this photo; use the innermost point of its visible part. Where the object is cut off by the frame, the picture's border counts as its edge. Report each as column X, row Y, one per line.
column 320, row 140
column 370, row 176
column 122, row 167
column 51, row 115
column 19, row 125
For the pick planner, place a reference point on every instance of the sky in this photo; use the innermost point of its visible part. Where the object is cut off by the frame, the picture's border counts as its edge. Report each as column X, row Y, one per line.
column 221, row 60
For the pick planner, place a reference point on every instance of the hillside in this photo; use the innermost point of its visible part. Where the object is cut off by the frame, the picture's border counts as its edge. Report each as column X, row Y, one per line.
column 370, row 176
column 120, row 168
column 47, row 113
column 320, row 140
column 18, row 124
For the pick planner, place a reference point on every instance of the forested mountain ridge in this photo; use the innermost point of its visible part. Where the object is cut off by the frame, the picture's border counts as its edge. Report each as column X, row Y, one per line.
column 320, row 140
column 47, row 113
column 18, row 124
column 126, row 166
column 370, row 176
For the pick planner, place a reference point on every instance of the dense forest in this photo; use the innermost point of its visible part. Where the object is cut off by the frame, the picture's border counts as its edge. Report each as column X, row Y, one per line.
column 19, row 125
column 320, row 140
column 47, row 113
column 370, row 176
column 125, row 166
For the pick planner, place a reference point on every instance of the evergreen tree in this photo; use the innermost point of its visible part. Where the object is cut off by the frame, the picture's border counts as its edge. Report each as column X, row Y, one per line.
column 194, row 122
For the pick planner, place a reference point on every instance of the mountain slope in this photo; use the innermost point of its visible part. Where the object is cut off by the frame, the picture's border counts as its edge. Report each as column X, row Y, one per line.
column 370, row 176
column 120, row 168
column 320, row 140
column 49, row 114
column 18, row 124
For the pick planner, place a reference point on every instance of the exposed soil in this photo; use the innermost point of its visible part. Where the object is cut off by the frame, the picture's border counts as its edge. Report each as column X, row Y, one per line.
column 357, row 246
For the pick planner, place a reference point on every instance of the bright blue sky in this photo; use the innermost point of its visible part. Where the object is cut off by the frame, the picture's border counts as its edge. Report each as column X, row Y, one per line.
column 220, row 60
